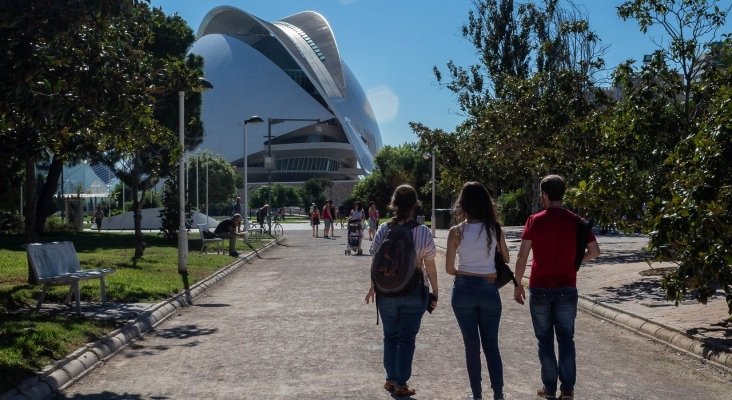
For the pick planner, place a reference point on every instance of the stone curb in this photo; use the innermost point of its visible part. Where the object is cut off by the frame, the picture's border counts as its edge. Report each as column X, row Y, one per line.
column 716, row 355
column 63, row 373
column 719, row 356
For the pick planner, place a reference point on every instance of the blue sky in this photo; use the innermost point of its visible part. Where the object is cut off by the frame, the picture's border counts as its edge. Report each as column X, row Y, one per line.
column 392, row 46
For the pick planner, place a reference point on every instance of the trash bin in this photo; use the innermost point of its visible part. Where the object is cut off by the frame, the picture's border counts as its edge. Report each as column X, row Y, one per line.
column 442, row 218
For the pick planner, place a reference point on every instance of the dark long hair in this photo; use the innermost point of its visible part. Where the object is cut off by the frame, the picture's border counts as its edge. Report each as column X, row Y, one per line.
column 403, row 202
column 476, row 203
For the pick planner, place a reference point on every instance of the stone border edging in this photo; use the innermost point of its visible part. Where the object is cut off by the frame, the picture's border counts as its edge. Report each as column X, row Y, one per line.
column 65, row 372
column 672, row 337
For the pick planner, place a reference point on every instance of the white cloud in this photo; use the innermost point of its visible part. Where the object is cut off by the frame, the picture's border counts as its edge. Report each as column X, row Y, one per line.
column 384, row 102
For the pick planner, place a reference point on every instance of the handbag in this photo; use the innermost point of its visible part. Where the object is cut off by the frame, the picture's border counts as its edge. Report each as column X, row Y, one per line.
column 503, row 271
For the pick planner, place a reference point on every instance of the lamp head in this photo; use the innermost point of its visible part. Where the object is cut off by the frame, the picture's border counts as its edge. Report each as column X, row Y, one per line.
column 253, row 120
column 203, row 85
column 426, row 155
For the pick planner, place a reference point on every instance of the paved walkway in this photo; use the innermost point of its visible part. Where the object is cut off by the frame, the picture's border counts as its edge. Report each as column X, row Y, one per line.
column 238, row 334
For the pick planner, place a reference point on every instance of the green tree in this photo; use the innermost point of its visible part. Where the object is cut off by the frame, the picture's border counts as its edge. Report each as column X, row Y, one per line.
column 694, row 228
column 223, row 180
column 690, row 25
column 170, row 211
column 164, row 40
column 314, row 191
column 282, row 196
column 66, row 70
column 516, row 40
column 394, row 166
column 530, row 100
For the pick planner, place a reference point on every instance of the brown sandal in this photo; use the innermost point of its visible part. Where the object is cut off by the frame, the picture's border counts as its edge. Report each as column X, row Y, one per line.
column 390, row 385
column 404, row 391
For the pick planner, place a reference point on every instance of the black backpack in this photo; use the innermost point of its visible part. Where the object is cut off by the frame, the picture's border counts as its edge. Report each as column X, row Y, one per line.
column 394, row 268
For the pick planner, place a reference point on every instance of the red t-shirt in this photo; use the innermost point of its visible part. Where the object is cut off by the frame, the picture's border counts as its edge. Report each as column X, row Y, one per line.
column 326, row 213
column 553, row 235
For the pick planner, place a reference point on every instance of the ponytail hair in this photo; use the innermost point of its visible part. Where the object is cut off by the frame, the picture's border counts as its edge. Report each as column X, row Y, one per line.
column 403, row 202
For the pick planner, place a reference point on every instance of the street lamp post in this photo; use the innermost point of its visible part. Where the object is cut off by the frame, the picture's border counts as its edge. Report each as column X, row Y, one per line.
column 207, row 161
column 270, row 122
column 253, row 120
column 434, row 219
column 182, row 232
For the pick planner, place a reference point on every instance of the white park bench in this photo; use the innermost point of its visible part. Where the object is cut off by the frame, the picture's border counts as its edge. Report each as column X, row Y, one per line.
column 205, row 241
column 57, row 264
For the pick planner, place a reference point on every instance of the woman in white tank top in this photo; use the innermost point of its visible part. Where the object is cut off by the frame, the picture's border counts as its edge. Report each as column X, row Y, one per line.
column 475, row 299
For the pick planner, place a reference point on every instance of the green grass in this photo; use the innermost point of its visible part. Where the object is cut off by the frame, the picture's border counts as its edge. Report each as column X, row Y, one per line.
column 29, row 340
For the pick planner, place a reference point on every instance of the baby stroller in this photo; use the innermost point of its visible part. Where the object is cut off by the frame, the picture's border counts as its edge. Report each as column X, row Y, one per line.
column 353, row 237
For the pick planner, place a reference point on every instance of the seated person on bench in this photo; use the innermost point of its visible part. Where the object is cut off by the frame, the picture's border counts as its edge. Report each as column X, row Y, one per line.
column 226, row 229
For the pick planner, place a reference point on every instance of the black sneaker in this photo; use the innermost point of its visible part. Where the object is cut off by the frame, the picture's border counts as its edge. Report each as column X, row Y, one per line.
column 234, row 253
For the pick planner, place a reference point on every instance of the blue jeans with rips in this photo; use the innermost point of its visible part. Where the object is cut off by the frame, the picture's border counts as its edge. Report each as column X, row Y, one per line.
column 401, row 317
column 553, row 310
column 477, row 307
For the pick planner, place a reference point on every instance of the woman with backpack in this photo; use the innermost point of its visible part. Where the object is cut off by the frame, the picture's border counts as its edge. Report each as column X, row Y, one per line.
column 402, row 310
column 475, row 299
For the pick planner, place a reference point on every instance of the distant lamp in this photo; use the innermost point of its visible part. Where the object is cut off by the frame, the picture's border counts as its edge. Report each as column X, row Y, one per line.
column 253, row 120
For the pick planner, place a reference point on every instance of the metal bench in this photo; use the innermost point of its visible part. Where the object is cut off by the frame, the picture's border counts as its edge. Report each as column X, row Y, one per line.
column 205, row 241
column 57, row 264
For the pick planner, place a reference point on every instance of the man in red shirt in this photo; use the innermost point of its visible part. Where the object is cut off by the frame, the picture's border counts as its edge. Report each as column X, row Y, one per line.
column 551, row 234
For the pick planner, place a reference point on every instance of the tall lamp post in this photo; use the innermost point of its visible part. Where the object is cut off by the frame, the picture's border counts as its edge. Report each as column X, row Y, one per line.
column 270, row 122
column 253, row 120
column 182, row 233
column 426, row 156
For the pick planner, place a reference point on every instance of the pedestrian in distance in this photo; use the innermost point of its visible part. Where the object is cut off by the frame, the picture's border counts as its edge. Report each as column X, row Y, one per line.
column 236, row 209
column 327, row 219
column 98, row 217
column 401, row 313
column 314, row 219
column 551, row 235
column 373, row 219
column 226, row 229
column 262, row 214
column 475, row 298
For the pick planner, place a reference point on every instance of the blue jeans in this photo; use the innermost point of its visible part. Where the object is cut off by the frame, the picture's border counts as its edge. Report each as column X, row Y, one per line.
column 554, row 311
column 477, row 307
column 401, row 317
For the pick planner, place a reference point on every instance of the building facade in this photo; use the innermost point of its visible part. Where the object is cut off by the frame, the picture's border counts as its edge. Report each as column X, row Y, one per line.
column 317, row 119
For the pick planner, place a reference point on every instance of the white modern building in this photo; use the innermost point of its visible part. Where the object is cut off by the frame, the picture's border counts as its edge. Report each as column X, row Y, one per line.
column 281, row 71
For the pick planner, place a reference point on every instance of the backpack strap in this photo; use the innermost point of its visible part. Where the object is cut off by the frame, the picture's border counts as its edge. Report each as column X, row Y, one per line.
column 411, row 224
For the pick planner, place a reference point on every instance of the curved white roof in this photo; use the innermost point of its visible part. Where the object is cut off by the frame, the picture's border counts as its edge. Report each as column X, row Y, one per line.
column 287, row 69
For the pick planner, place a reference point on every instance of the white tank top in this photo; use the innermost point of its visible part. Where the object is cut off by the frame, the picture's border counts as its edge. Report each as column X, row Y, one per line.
column 473, row 253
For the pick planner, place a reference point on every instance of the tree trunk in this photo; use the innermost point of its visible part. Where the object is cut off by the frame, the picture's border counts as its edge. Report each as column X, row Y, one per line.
column 43, row 208
column 30, row 234
column 533, row 194
column 137, row 206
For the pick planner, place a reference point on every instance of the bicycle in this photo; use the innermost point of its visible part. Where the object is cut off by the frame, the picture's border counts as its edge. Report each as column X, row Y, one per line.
column 276, row 227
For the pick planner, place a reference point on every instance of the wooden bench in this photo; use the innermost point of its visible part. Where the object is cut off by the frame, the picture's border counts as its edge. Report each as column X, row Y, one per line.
column 56, row 264
column 205, row 241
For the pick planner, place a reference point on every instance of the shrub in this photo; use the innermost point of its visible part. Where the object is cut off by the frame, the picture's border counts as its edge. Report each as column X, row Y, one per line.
column 512, row 207
column 10, row 222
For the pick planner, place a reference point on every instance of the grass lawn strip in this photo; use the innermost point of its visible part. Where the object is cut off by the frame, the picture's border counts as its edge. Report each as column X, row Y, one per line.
column 30, row 340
